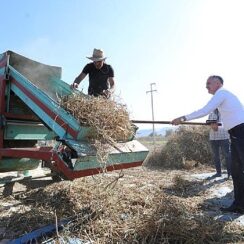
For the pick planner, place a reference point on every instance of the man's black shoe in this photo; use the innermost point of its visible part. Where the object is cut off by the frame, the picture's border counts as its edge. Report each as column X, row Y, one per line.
column 217, row 175
column 233, row 209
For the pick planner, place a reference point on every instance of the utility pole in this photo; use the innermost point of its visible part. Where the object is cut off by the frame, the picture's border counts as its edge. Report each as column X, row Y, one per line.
column 151, row 91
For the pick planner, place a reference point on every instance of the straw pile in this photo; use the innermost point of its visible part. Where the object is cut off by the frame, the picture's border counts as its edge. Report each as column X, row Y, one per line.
column 134, row 210
column 108, row 119
column 188, row 144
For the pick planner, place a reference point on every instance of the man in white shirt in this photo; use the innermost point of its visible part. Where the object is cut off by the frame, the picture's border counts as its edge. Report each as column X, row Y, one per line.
column 219, row 141
column 232, row 114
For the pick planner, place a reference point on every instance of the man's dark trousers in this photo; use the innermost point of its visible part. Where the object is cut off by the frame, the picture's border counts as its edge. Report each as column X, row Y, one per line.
column 237, row 164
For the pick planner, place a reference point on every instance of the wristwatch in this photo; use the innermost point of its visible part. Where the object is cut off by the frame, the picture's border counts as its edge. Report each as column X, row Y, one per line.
column 183, row 118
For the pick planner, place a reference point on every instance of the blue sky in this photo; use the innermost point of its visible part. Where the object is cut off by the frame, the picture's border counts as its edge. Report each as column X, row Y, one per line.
column 175, row 43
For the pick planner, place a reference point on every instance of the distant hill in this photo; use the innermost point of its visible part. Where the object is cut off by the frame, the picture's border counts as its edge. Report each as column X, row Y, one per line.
column 158, row 131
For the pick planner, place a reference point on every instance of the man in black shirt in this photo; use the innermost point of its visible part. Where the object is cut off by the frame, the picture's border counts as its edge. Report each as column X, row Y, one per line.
column 101, row 75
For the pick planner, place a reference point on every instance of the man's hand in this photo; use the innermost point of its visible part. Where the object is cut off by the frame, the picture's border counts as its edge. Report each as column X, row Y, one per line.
column 74, row 85
column 178, row 121
column 214, row 126
column 107, row 93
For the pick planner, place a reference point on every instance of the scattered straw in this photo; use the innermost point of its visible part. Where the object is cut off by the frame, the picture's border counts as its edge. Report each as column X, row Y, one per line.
column 135, row 210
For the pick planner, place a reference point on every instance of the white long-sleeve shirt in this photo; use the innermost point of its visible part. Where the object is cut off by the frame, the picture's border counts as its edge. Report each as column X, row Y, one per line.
column 229, row 106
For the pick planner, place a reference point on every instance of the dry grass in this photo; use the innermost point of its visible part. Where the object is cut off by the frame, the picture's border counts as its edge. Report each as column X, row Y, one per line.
column 135, row 209
column 108, row 119
column 186, row 148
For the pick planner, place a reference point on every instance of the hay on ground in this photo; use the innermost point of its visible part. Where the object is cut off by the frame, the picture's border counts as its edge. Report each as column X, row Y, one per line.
column 122, row 212
column 186, row 147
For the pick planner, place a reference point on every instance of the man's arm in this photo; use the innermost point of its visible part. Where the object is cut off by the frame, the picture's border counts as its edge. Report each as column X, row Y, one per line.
column 213, row 103
column 78, row 79
column 111, row 84
column 110, row 90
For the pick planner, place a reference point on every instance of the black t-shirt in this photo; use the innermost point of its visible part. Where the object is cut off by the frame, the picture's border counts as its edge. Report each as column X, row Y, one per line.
column 98, row 78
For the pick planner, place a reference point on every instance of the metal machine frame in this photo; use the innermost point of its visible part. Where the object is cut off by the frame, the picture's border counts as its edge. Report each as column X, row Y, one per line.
column 42, row 118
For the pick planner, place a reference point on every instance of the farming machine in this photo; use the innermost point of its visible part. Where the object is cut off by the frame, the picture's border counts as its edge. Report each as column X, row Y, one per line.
column 30, row 112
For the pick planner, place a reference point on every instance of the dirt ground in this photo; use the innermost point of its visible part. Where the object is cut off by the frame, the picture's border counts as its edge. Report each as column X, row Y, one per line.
column 212, row 192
